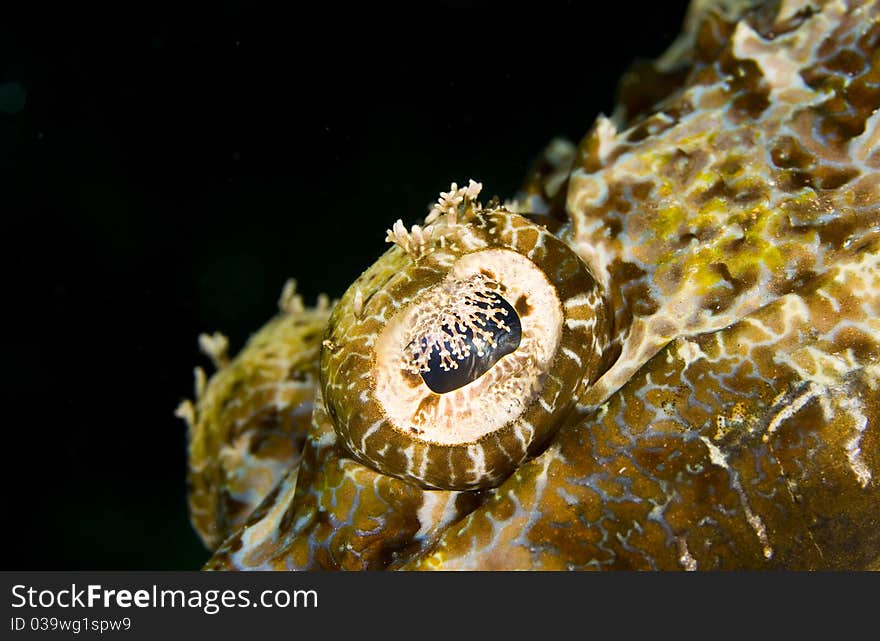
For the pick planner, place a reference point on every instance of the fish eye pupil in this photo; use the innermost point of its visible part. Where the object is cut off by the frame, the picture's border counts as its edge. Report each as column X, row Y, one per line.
column 452, row 363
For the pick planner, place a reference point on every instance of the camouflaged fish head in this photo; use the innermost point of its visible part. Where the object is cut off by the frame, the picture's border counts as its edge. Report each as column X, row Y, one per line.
column 664, row 354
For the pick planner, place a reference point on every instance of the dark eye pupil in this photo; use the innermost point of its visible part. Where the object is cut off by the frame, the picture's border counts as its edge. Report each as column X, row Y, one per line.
column 481, row 358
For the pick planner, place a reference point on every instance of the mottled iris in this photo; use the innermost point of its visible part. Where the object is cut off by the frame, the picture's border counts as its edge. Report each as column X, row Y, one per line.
column 479, row 356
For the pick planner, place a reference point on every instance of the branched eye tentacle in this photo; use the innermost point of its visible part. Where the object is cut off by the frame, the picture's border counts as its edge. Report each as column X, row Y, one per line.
column 458, row 353
column 471, row 327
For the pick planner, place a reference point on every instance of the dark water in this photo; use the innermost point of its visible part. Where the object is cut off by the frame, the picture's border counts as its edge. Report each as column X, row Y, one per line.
column 164, row 172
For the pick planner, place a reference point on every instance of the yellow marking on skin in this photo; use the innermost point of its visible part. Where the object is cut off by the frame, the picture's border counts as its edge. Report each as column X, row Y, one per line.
column 667, row 222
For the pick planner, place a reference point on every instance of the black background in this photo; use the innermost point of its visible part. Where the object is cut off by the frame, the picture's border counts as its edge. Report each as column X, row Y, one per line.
column 169, row 169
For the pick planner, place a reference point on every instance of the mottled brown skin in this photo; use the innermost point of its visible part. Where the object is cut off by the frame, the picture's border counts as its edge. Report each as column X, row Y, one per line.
column 247, row 427
column 634, row 485
column 338, row 514
column 730, row 211
column 710, row 206
column 341, row 513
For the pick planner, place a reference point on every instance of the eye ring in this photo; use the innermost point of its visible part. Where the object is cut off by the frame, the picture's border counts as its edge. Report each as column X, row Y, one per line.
column 474, row 435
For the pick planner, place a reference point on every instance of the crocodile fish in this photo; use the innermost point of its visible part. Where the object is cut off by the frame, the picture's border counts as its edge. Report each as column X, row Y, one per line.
column 662, row 354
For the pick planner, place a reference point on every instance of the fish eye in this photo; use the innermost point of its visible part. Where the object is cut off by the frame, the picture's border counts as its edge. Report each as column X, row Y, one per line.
column 466, row 339
column 454, row 357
